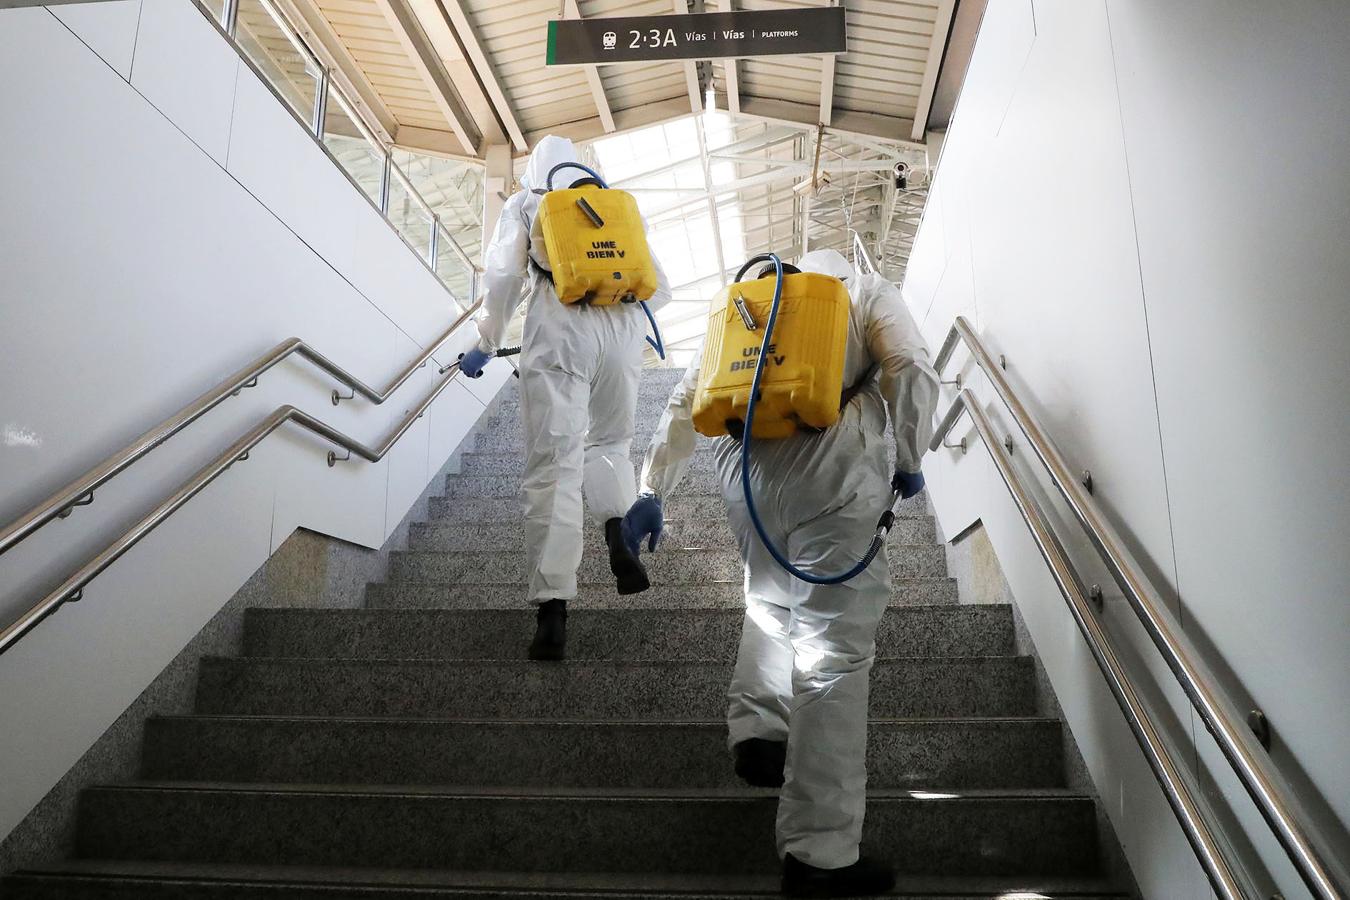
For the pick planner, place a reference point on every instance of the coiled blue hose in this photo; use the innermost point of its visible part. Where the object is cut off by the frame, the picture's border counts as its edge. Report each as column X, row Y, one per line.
column 747, row 435
column 658, row 345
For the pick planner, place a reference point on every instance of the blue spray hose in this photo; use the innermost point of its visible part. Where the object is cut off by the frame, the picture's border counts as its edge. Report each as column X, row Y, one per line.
column 548, row 180
column 658, row 345
column 887, row 518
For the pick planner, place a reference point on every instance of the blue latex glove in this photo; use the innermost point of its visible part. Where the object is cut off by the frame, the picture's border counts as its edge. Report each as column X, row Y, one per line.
column 908, row 485
column 644, row 520
column 472, row 363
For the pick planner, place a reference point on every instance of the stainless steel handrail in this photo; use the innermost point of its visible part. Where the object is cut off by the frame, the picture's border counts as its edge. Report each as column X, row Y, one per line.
column 1311, row 854
column 72, row 588
column 1229, row 880
column 83, row 487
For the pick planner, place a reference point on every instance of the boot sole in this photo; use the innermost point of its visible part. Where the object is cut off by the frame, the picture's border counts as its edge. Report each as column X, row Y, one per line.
column 630, row 579
column 841, row 891
column 636, row 585
column 548, row 654
column 760, row 782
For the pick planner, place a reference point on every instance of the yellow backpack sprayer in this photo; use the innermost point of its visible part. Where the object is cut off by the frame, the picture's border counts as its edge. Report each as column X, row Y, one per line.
column 798, row 378
column 596, row 245
column 803, row 365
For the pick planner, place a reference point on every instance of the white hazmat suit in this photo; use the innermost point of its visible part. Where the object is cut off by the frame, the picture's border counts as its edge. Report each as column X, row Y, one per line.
column 579, row 372
column 806, row 650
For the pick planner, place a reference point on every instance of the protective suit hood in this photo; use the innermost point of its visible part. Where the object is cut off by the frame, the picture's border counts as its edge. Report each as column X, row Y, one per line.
column 826, row 262
column 550, row 151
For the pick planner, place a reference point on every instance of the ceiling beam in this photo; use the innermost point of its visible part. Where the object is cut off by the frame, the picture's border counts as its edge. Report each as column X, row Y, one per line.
column 941, row 27
column 316, row 30
column 572, row 11
column 805, row 167
column 827, row 89
column 733, row 81
column 691, row 82
column 827, row 83
column 432, row 142
column 844, row 122
column 731, row 72
column 473, row 50
column 681, row 7
column 424, row 58
column 450, row 51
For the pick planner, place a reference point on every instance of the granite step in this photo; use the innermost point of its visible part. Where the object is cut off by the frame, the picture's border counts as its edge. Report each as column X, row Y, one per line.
column 651, row 387
column 618, row 634
column 475, row 463
column 124, row 880
column 687, row 534
column 695, row 484
column 667, row 566
column 683, row 506
column 507, row 435
column 583, row 690
column 946, row 754
column 703, row 832
column 651, row 403
column 602, row 595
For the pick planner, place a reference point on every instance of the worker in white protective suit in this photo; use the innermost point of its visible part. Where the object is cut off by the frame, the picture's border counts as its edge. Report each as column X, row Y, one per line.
column 799, row 695
column 579, row 372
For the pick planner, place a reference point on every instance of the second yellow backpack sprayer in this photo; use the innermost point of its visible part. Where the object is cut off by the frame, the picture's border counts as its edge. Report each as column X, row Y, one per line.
column 799, row 377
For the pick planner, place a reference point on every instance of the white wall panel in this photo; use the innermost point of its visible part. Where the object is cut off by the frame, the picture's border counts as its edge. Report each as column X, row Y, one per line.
column 409, row 467
column 1056, row 277
column 997, row 71
column 109, row 28
column 927, row 262
column 279, row 163
column 416, row 300
column 138, row 274
column 446, row 431
column 1197, row 369
column 1242, row 248
column 187, row 72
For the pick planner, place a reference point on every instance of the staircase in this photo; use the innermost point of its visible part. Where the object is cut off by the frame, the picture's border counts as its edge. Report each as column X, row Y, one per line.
column 408, row 750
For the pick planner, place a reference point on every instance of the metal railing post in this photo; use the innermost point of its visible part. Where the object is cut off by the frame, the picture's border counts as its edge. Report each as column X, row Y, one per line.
column 321, row 103
column 386, row 183
column 434, row 245
column 229, row 18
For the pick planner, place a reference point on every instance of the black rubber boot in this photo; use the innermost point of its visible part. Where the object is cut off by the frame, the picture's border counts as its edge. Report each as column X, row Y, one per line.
column 760, row 762
column 629, row 573
column 550, row 635
column 865, row 878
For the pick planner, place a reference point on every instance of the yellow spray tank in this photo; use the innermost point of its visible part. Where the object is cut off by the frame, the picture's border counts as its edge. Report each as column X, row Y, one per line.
column 803, row 377
column 595, row 242
column 795, row 377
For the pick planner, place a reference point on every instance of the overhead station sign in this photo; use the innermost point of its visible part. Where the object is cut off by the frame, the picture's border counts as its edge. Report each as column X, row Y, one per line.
column 770, row 32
